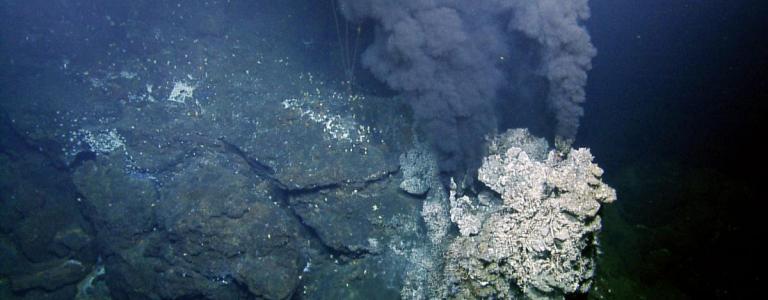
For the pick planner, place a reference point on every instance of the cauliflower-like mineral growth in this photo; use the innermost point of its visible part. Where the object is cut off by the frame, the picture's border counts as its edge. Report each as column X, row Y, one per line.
column 540, row 242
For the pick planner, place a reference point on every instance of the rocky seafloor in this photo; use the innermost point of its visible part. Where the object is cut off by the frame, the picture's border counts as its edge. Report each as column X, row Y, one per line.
column 151, row 150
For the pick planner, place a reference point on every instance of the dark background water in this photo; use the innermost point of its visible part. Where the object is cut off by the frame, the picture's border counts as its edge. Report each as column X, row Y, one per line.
column 676, row 99
column 680, row 80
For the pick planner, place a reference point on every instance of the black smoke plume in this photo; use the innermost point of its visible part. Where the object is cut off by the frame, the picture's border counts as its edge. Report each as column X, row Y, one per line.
column 451, row 57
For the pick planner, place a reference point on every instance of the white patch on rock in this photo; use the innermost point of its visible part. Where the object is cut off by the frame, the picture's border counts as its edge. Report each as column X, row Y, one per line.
column 100, row 142
column 336, row 127
column 181, row 92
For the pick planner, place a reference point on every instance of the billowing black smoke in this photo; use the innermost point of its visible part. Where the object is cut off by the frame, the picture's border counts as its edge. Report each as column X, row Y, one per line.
column 451, row 57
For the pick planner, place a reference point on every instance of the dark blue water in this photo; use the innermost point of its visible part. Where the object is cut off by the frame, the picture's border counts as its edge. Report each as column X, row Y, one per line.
column 677, row 95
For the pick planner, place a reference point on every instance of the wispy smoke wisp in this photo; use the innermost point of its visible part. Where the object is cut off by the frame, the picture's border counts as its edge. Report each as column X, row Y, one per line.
column 566, row 52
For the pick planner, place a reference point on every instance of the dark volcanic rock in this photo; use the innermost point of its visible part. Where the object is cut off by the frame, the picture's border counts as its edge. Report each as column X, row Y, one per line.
column 52, row 278
column 37, row 203
column 120, row 206
column 228, row 226
column 349, row 218
column 70, row 240
column 214, row 231
column 226, row 194
column 9, row 258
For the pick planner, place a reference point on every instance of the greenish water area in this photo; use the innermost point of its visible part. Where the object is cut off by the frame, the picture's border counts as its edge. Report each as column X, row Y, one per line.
column 683, row 88
column 382, row 149
column 669, row 245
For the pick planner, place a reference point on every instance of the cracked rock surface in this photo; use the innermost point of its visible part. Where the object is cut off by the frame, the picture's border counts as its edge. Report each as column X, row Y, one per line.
column 198, row 155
